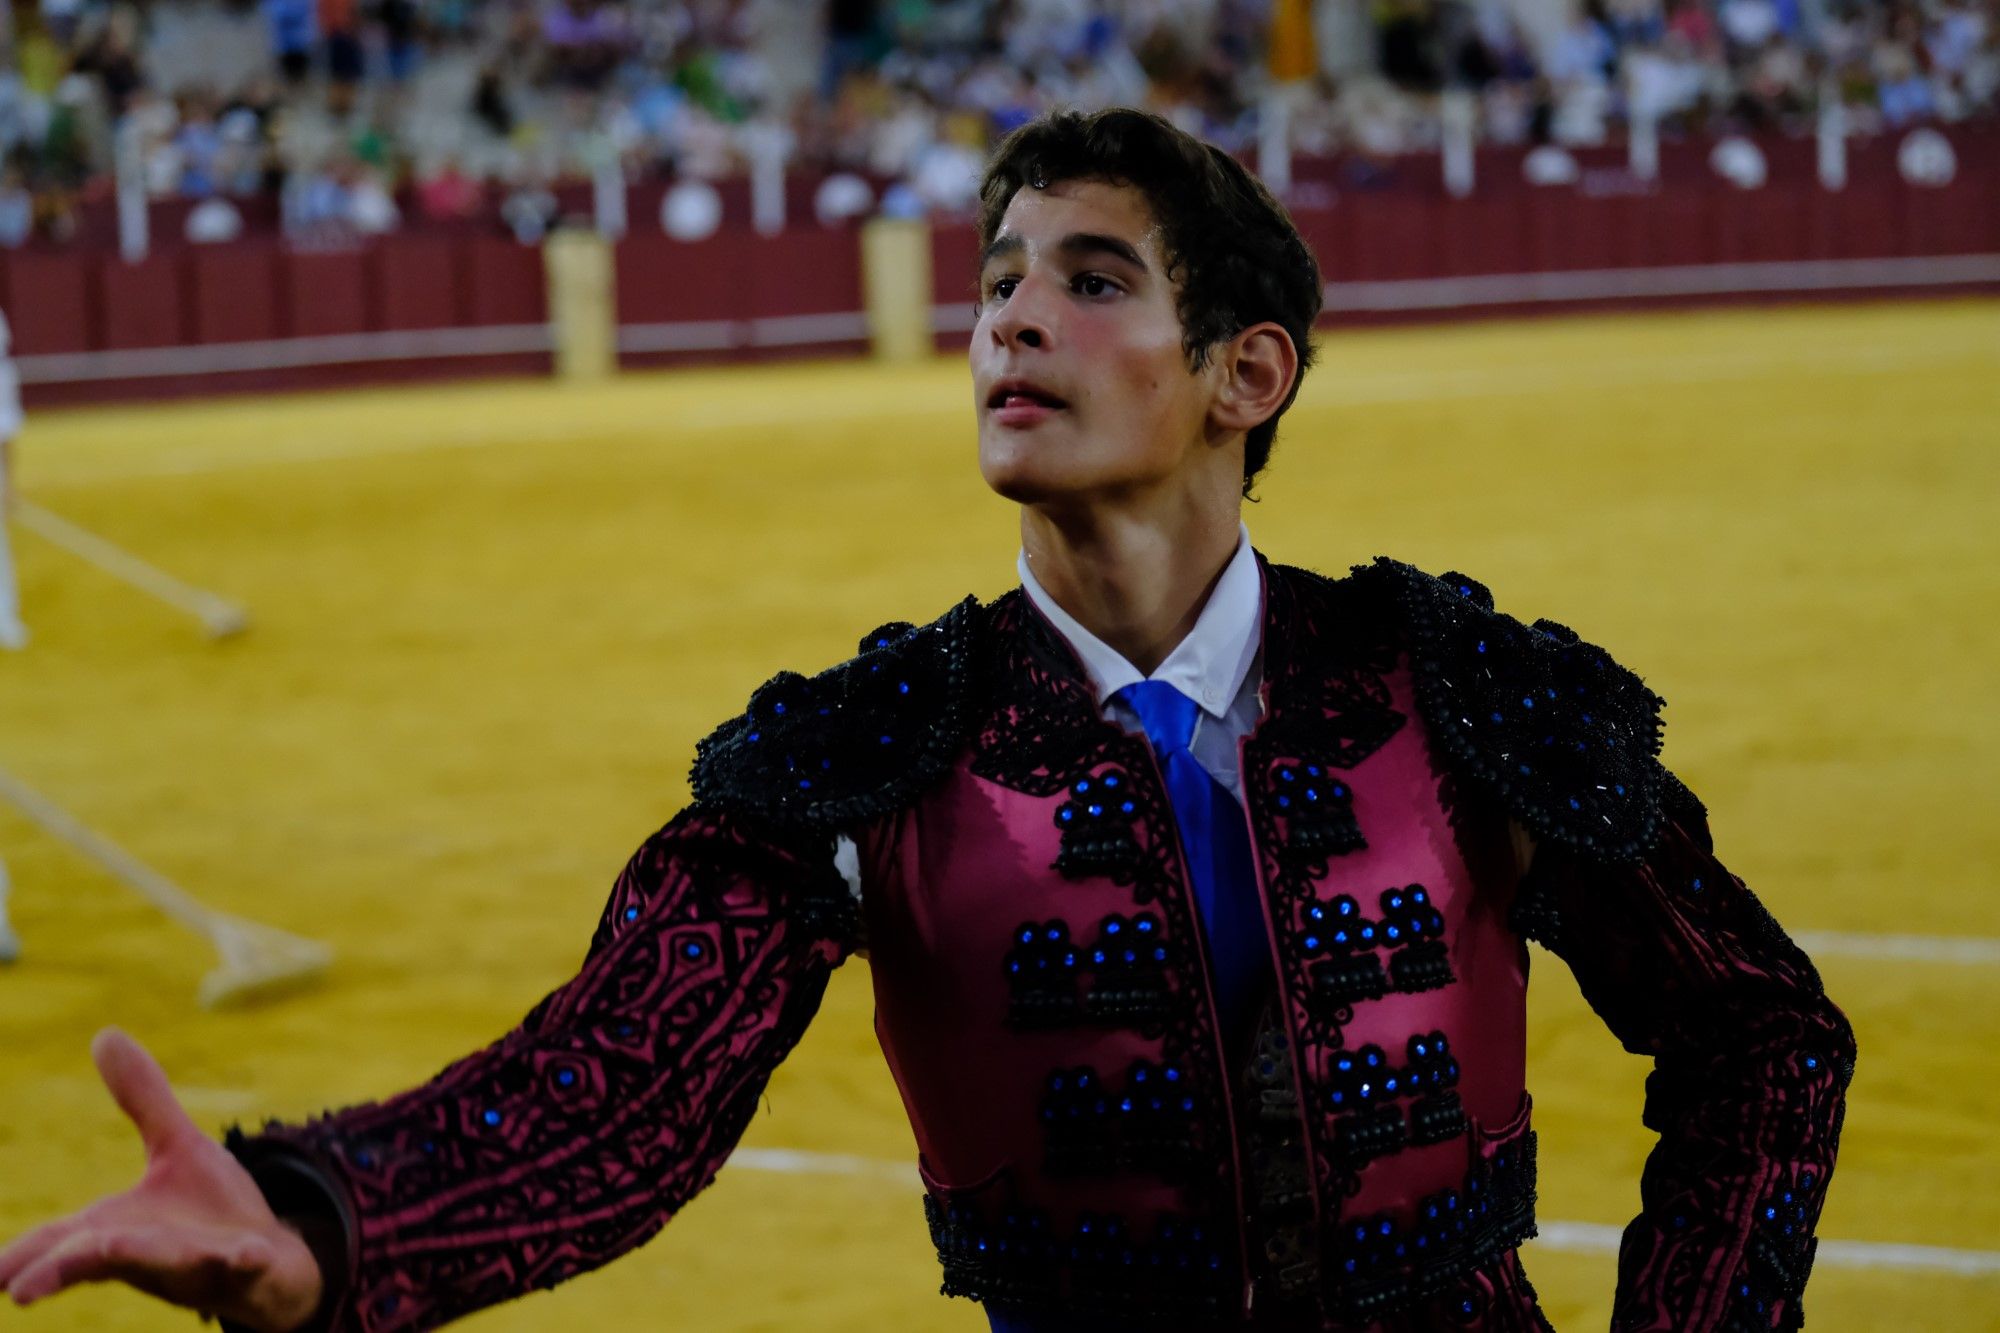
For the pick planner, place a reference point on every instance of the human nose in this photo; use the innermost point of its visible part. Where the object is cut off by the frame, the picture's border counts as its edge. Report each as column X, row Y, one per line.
column 1026, row 318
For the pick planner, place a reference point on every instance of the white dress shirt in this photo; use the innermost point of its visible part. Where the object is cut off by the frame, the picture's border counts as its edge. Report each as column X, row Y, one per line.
column 1219, row 664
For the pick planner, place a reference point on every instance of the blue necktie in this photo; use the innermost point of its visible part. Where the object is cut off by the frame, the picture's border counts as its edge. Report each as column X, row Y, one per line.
column 1217, row 843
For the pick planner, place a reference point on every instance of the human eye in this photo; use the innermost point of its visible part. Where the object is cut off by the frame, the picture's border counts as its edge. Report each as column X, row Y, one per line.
column 1094, row 285
column 1000, row 288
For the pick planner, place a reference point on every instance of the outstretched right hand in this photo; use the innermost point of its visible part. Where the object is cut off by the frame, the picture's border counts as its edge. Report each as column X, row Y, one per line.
column 195, row 1230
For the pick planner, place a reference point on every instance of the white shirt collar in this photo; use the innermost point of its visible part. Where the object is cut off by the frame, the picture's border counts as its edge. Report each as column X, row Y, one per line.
column 1208, row 666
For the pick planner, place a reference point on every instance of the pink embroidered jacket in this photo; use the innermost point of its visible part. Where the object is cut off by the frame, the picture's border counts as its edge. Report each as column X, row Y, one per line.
column 1090, row 1146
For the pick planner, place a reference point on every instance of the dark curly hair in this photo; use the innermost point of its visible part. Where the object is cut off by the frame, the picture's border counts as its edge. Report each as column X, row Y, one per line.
column 1230, row 248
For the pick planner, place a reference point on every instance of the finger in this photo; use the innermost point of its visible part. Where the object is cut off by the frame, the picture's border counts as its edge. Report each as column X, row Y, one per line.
column 63, row 1266
column 139, row 1086
column 173, row 1262
column 24, row 1250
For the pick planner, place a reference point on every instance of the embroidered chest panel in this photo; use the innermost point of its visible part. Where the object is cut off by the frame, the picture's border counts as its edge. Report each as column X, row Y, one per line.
column 1100, row 967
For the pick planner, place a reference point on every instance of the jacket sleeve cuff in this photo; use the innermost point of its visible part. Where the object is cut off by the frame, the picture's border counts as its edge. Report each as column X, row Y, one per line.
column 311, row 1202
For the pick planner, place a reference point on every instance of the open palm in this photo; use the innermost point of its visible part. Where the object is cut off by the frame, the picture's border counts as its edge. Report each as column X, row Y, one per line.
column 195, row 1230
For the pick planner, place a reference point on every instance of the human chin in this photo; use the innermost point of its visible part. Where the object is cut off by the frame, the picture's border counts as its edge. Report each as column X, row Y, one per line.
column 1033, row 466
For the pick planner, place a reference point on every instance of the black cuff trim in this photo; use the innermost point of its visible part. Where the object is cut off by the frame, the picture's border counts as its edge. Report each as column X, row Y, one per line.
column 310, row 1201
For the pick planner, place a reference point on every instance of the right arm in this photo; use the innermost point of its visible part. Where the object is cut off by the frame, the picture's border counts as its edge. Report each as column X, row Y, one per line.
column 577, row 1136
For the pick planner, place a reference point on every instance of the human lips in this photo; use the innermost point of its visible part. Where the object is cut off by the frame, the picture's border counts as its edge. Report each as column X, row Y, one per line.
column 1022, row 402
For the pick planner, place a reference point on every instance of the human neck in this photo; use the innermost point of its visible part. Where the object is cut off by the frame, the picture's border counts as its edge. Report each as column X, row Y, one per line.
column 1135, row 576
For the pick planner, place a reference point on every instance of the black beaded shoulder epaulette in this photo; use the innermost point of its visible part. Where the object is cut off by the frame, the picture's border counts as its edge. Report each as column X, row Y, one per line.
column 1566, row 738
column 855, row 742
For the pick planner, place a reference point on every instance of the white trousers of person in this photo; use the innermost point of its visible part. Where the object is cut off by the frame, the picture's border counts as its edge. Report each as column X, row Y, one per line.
column 13, row 634
column 10, row 943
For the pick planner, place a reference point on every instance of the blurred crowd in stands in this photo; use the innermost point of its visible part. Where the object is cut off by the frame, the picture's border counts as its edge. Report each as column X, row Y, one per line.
column 366, row 115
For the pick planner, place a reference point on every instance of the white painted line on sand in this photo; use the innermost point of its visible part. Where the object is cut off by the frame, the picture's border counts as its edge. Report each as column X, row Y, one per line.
column 1573, row 1237
column 1594, row 1238
column 1972, row 950
column 794, row 1162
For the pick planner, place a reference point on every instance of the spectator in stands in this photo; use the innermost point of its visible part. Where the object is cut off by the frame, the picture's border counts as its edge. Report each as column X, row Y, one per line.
column 584, row 42
column 1748, row 25
column 400, row 22
column 371, row 207
column 1635, row 23
column 911, row 88
column 70, row 153
column 531, row 207
column 1775, row 92
column 1664, row 84
column 17, row 202
column 340, row 30
column 317, row 205
column 855, row 41
column 248, row 165
column 944, row 177
column 1585, row 51
column 1406, row 34
column 492, row 106
column 62, row 18
column 201, row 146
column 447, row 194
column 24, row 116
column 294, row 35
column 150, row 124
column 1691, row 22
column 1903, row 92
column 1580, row 68
column 111, row 56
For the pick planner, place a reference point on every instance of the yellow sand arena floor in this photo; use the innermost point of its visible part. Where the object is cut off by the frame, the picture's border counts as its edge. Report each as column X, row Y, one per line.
column 492, row 620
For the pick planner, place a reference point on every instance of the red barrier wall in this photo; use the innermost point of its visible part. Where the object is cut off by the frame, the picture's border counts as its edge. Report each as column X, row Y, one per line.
column 739, row 295
column 49, row 303
column 421, row 282
column 259, row 313
column 504, row 284
column 145, row 304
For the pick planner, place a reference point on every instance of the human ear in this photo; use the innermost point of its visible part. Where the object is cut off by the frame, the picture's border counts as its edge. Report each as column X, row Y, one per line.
column 1258, row 367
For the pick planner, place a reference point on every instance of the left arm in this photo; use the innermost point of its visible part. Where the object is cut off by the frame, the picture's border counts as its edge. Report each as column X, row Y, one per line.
column 1751, row 1066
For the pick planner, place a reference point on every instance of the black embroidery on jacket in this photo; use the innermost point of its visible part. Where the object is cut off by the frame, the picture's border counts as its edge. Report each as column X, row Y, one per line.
column 1041, row 733
column 1779, row 1258
column 1143, row 1123
column 1329, row 648
column 857, row 741
column 1131, row 970
column 1129, row 964
column 1104, row 1268
column 1096, row 823
column 1041, row 977
column 1377, row 1264
column 575, row 1137
column 1566, row 738
column 1042, row 729
column 1318, row 812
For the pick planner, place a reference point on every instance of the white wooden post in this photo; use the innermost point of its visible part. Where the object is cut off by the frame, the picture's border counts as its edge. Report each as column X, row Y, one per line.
column 1832, row 137
column 1274, row 140
column 607, row 194
column 768, row 145
column 1460, row 123
column 134, row 220
column 1643, row 145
